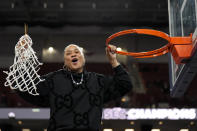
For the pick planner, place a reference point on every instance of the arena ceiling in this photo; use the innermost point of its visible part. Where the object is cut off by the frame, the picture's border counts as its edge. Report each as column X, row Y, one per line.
column 55, row 13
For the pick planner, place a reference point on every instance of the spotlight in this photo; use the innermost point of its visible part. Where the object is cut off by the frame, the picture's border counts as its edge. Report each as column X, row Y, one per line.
column 118, row 49
column 184, row 129
column 50, row 49
column 155, row 130
column 94, row 5
column 26, row 130
column 61, row 5
column 192, row 123
column 12, row 5
column 160, row 123
column 20, row 122
column 123, row 99
column 132, row 122
column 129, row 130
column 107, row 130
column 126, row 5
column 45, row 5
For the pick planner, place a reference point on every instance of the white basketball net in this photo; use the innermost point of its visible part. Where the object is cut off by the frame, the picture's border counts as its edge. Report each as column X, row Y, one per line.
column 23, row 74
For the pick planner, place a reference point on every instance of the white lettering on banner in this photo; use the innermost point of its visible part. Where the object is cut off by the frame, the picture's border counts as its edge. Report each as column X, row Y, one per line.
column 114, row 113
column 133, row 114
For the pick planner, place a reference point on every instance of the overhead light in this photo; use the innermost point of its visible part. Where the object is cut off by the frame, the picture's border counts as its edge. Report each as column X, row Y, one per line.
column 12, row 5
column 123, row 99
column 159, row 6
column 191, row 123
column 26, row 130
column 160, row 123
column 155, row 129
column 107, row 130
column 119, row 49
column 184, row 129
column 132, row 122
column 45, row 5
column 50, row 49
column 61, row 5
column 94, row 5
column 129, row 130
column 126, row 5
column 20, row 122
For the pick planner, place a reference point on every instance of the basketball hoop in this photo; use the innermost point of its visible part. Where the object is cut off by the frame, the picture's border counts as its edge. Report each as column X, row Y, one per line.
column 179, row 47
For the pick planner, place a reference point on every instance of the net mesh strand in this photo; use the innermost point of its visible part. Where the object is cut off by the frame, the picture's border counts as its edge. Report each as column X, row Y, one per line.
column 23, row 74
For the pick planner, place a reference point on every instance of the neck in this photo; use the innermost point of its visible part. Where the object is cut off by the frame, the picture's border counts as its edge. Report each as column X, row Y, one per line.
column 76, row 71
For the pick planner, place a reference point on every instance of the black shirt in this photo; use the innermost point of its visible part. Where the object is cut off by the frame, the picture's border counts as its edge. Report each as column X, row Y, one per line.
column 78, row 107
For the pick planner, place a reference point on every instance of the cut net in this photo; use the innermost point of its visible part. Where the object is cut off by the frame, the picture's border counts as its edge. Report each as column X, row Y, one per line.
column 23, row 74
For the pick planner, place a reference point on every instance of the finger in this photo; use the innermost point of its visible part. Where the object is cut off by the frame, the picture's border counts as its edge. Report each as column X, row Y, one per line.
column 112, row 46
column 112, row 49
column 107, row 50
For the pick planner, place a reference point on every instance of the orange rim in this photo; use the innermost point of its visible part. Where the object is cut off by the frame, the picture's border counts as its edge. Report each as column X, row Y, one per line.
column 157, row 52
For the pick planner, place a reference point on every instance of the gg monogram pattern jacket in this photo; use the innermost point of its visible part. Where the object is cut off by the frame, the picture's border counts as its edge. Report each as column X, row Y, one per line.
column 78, row 107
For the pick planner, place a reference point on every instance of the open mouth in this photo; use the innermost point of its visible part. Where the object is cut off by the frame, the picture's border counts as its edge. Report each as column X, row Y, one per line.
column 74, row 60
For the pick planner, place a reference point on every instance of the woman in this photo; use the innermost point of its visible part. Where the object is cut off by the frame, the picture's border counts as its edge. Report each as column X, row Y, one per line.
column 75, row 96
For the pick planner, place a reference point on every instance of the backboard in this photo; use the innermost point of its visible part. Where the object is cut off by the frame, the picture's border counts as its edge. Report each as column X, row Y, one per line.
column 182, row 22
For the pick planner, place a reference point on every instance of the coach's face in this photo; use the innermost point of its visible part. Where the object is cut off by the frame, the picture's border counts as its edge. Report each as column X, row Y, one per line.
column 74, row 58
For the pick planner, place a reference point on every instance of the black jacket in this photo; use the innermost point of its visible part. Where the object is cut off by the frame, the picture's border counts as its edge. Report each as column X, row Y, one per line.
column 78, row 106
